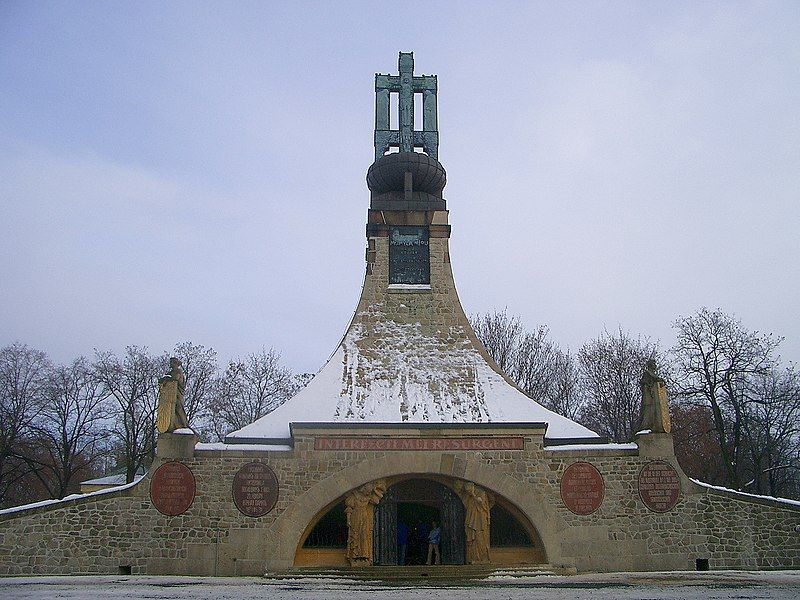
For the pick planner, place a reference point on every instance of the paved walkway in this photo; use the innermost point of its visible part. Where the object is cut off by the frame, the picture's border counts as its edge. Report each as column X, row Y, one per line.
column 722, row 585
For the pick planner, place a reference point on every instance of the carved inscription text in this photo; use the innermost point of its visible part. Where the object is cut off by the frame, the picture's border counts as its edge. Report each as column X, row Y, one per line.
column 172, row 488
column 659, row 486
column 419, row 443
column 255, row 489
column 582, row 488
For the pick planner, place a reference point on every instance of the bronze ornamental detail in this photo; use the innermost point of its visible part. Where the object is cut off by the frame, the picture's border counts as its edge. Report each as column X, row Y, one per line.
column 255, row 489
column 582, row 488
column 659, row 486
column 172, row 488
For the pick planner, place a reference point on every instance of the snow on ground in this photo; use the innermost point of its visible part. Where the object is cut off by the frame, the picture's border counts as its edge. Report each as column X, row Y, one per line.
column 714, row 585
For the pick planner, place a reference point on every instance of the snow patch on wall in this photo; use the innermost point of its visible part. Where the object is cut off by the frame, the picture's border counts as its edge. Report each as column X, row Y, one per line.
column 396, row 373
column 787, row 501
column 590, row 447
column 65, row 499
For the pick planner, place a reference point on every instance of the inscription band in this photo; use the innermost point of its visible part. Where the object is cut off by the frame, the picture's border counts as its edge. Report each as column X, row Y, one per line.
column 419, row 443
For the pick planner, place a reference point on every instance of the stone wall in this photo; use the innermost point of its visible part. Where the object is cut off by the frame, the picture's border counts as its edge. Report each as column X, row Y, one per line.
column 111, row 532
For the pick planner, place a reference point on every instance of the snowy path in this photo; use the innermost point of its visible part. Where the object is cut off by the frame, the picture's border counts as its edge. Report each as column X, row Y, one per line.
column 730, row 585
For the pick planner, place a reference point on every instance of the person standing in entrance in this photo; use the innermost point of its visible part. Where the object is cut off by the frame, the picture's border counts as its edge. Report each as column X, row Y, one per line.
column 434, row 537
column 402, row 542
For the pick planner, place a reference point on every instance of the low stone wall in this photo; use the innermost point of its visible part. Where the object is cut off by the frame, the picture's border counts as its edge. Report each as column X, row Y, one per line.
column 121, row 531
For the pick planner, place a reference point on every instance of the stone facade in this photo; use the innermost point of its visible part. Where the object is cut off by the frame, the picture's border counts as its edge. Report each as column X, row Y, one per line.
column 409, row 373
column 120, row 530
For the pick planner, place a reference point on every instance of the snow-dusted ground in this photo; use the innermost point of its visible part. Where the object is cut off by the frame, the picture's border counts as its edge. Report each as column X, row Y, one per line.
column 722, row 585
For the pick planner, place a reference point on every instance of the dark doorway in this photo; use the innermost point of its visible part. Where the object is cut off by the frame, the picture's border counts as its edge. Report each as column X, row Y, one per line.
column 417, row 519
column 417, row 503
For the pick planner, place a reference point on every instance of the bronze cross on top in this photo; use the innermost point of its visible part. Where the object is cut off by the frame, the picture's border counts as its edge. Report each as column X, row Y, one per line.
column 406, row 85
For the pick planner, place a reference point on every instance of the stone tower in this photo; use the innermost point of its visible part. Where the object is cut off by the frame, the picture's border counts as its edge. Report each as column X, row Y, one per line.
column 409, row 354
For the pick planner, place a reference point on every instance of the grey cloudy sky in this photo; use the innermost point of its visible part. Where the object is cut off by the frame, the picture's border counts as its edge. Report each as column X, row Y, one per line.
column 174, row 171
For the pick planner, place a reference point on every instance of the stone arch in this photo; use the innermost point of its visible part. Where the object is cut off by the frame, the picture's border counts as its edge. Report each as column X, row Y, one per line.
column 289, row 528
column 391, row 482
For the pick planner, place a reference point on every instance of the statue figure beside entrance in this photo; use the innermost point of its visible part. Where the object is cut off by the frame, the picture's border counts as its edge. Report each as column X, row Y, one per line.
column 655, row 407
column 360, row 509
column 171, row 414
column 477, row 505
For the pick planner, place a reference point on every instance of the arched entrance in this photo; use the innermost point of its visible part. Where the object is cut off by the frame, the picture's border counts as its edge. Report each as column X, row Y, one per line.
column 415, row 505
column 416, row 501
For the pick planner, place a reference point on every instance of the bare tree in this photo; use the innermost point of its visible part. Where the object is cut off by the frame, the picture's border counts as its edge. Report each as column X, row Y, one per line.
column 70, row 430
column 610, row 370
column 715, row 360
column 546, row 373
column 500, row 335
column 564, row 394
column 248, row 390
column 771, row 434
column 132, row 382
column 532, row 360
column 23, row 384
column 695, row 441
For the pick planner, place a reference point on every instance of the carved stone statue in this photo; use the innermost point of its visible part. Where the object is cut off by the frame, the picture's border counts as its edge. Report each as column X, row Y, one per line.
column 171, row 414
column 477, row 506
column 655, row 406
column 360, row 509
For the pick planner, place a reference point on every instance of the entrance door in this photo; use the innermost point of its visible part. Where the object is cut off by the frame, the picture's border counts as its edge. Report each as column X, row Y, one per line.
column 417, row 518
column 418, row 502
column 452, row 546
column 384, row 530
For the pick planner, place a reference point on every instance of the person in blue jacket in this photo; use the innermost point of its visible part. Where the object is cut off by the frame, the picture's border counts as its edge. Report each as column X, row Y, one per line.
column 402, row 542
column 434, row 537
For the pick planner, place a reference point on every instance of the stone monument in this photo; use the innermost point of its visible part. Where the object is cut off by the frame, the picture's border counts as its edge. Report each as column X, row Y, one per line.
column 360, row 509
column 171, row 414
column 410, row 420
column 655, row 406
column 477, row 512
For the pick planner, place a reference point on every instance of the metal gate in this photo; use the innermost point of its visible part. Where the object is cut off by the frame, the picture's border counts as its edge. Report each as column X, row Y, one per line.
column 451, row 512
column 384, row 530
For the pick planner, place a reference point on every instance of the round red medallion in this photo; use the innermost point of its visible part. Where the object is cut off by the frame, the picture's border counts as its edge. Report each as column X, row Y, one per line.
column 582, row 488
column 659, row 486
column 255, row 489
column 172, row 488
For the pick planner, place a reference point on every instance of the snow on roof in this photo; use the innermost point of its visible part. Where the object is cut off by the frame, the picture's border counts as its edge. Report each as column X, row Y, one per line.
column 590, row 447
column 252, row 447
column 738, row 493
column 71, row 497
column 118, row 479
column 389, row 372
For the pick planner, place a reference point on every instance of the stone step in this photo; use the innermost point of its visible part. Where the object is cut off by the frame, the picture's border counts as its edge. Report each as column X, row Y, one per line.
column 418, row 572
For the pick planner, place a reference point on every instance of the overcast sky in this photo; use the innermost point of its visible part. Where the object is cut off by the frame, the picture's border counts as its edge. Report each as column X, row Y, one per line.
column 174, row 171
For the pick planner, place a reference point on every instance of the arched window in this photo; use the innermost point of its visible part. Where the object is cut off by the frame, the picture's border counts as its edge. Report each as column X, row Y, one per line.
column 505, row 530
column 330, row 531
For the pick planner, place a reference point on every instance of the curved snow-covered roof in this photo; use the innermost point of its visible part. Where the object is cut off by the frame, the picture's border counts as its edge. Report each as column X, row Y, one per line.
column 394, row 373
